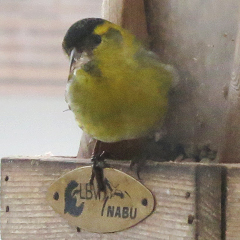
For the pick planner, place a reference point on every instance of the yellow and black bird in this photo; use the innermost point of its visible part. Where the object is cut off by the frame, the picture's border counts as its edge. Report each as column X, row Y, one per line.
column 116, row 88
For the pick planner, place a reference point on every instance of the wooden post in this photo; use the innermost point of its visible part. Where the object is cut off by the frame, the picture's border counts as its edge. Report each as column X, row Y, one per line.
column 230, row 152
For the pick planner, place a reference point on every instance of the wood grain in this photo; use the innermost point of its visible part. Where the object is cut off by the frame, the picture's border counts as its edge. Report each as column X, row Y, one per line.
column 175, row 187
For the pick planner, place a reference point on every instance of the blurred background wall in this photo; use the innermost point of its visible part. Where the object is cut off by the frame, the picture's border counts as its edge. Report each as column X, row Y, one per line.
column 33, row 75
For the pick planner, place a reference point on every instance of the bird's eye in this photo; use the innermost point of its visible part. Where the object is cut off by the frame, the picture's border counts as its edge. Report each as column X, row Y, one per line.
column 97, row 39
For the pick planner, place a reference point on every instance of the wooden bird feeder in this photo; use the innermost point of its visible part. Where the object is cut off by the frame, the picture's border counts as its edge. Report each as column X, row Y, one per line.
column 193, row 200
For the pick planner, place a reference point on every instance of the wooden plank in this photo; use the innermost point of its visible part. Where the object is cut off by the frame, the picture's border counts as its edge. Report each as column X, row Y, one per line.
column 188, row 200
column 208, row 202
column 233, row 202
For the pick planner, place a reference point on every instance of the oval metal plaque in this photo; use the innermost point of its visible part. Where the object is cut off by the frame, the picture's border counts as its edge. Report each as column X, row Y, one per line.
column 126, row 203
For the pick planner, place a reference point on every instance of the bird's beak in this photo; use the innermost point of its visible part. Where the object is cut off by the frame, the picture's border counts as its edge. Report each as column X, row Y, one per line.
column 77, row 59
column 72, row 59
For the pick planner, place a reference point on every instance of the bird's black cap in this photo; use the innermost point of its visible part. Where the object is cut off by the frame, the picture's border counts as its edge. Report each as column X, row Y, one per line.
column 79, row 31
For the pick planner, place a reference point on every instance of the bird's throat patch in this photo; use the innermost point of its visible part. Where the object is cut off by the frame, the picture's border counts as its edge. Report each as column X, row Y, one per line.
column 126, row 202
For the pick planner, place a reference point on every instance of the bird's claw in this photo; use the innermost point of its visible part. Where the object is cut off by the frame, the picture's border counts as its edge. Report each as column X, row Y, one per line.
column 140, row 163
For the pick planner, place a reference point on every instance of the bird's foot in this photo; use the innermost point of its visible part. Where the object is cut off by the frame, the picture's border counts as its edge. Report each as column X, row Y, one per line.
column 140, row 163
column 97, row 172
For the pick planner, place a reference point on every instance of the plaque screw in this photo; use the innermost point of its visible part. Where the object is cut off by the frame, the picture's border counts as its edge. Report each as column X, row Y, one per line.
column 190, row 219
column 187, row 195
column 144, row 202
column 56, row 196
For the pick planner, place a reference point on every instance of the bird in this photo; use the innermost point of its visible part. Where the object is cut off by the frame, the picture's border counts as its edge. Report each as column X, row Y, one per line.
column 117, row 88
